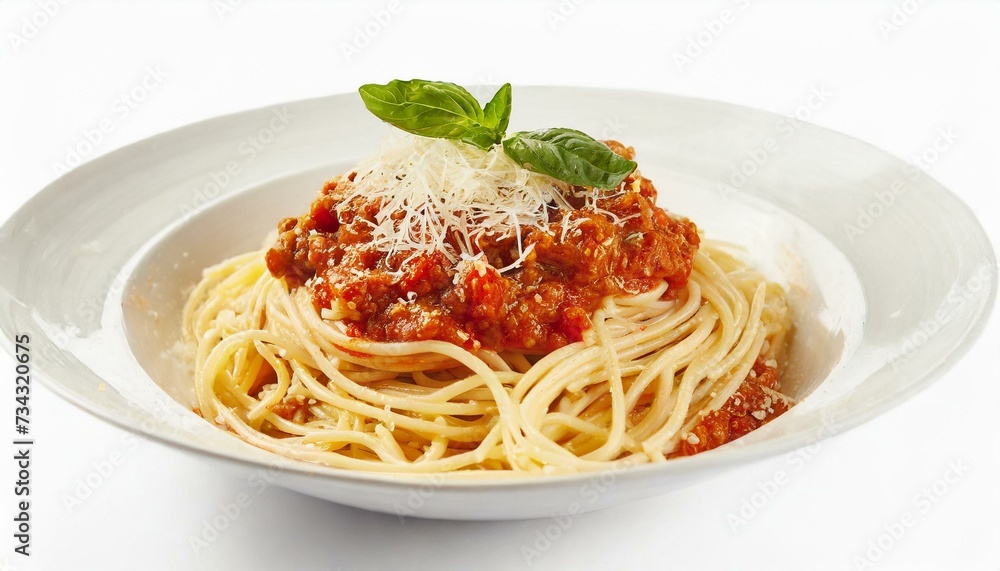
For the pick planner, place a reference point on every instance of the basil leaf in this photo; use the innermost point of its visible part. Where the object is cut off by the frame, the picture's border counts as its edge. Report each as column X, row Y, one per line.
column 431, row 109
column 497, row 110
column 570, row 156
column 481, row 137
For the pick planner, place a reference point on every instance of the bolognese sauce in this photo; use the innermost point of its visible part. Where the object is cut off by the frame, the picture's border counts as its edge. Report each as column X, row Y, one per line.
column 620, row 244
column 754, row 404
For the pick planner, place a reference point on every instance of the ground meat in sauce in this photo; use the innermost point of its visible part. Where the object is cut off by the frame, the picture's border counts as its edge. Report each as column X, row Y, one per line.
column 748, row 409
column 538, row 307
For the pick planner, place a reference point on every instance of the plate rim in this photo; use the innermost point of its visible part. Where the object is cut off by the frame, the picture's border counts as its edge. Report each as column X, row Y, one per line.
column 712, row 461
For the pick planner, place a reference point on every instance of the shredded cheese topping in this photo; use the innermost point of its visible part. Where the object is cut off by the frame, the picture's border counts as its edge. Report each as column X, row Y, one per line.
column 432, row 188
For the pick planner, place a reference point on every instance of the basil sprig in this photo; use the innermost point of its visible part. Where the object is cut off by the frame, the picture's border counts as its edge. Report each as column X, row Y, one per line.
column 438, row 110
column 497, row 110
column 447, row 111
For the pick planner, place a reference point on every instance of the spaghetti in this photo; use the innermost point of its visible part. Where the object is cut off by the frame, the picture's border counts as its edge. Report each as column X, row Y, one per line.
column 667, row 361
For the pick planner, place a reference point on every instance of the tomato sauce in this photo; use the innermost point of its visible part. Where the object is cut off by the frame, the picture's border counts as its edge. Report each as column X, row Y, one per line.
column 748, row 409
column 628, row 245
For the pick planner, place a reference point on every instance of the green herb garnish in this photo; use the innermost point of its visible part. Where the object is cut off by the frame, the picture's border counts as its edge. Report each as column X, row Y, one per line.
column 448, row 111
column 570, row 156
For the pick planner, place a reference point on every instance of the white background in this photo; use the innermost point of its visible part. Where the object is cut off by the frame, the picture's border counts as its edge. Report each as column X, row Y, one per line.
column 893, row 84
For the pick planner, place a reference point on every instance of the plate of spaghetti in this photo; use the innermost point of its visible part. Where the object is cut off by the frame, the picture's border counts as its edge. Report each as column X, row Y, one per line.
column 395, row 300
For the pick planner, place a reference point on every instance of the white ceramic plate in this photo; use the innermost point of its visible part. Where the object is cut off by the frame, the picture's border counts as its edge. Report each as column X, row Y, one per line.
column 891, row 275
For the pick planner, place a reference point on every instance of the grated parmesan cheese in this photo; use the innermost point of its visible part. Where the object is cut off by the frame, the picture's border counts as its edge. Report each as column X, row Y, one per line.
column 431, row 189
